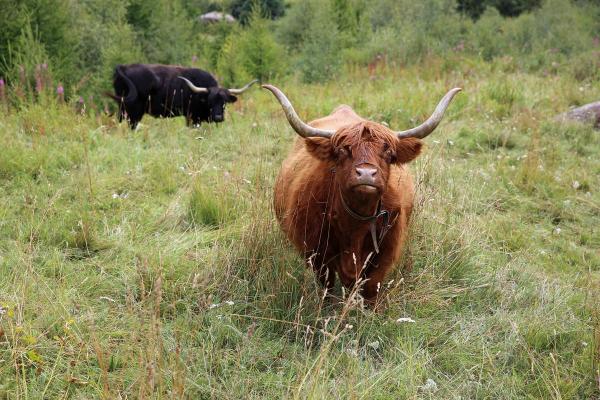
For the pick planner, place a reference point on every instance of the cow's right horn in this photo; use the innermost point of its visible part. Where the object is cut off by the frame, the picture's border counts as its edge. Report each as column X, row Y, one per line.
column 301, row 128
column 433, row 121
column 193, row 87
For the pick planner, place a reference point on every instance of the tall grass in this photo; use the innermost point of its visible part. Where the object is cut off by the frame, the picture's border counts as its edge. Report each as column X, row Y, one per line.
column 149, row 264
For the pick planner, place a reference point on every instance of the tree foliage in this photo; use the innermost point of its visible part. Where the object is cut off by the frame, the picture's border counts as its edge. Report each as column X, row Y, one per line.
column 242, row 9
column 507, row 8
column 82, row 41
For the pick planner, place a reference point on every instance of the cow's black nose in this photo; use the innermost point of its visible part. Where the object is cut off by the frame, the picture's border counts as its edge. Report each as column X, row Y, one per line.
column 368, row 173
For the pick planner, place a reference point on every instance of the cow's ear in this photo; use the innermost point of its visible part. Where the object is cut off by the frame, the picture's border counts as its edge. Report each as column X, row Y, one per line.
column 320, row 148
column 408, row 149
column 231, row 98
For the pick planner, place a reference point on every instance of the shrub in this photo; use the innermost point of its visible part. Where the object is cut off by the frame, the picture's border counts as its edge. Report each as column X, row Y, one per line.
column 252, row 52
column 320, row 56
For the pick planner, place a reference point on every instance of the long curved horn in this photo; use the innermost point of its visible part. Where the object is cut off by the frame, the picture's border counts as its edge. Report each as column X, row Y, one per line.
column 432, row 122
column 193, row 87
column 301, row 128
column 243, row 89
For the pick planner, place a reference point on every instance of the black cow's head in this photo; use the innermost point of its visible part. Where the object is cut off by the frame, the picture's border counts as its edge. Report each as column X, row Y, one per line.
column 216, row 100
column 217, row 97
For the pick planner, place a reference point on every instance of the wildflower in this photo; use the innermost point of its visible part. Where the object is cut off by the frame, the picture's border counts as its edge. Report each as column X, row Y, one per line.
column 194, row 58
column 576, row 185
column 229, row 303
column 38, row 79
column 2, row 93
column 374, row 345
column 60, row 92
column 430, row 385
column 405, row 319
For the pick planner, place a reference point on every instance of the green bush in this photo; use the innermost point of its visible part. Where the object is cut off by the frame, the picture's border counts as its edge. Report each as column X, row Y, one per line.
column 251, row 53
column 320, row 56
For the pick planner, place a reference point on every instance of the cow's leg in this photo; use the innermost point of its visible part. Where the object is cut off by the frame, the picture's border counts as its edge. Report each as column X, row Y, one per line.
column 326, row 277
column 391, row 249
column 135, row 114
column 121, row 113
column 374, row 277
column 325, row 273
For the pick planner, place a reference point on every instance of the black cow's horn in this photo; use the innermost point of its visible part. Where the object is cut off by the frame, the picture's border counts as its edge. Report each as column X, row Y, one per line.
column 301, row 128
column 243, row 89
column 432, row 122
column 193, row 87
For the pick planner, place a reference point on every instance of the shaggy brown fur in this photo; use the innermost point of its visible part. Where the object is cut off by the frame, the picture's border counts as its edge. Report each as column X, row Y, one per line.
column 308, row 201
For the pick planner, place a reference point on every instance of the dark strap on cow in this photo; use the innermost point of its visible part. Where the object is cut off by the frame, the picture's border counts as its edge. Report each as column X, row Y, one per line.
column 372, row 220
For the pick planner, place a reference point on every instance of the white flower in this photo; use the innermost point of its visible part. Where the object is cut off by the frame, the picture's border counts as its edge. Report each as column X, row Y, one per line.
column 352, row 352
column 213, row 305
column 556, row 231
column 430, row 385
column 2, row 310
column 405, row 319
column 576, row 185
column 229, row 303
column 374, row 345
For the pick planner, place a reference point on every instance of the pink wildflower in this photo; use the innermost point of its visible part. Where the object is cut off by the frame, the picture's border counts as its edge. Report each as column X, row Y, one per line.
column 60, row 92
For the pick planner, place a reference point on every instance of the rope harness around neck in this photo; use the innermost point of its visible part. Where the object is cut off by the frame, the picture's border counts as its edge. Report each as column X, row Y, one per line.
column 372, row 220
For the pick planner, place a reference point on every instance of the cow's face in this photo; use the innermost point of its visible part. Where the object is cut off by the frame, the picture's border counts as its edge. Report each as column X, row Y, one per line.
column 362, row 155
column 217, row 99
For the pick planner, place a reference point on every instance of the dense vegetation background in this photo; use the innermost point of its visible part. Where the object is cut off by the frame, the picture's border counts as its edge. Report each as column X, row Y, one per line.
column 80, row 42
column 148, row 263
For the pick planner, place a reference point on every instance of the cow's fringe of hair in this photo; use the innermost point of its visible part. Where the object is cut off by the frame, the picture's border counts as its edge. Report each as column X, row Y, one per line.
column 361, row 132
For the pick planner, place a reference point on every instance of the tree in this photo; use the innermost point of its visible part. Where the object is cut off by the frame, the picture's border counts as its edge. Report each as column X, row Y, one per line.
column 242, row 9
column 507, row 8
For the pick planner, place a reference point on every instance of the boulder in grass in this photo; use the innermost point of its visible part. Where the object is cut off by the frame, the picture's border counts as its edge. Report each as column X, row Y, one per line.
column 589, row 113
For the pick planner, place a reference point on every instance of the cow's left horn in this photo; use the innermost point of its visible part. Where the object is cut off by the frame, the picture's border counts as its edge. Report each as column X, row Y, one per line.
column 301, row 128
column 243, row 89
column 193, row 87
column 432, row 122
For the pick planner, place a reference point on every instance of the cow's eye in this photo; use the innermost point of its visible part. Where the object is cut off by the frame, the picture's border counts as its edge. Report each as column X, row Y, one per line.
column 344, row 151
column 386, row 146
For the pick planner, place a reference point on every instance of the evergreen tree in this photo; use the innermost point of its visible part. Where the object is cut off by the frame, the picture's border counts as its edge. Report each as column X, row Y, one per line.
column 242, row 9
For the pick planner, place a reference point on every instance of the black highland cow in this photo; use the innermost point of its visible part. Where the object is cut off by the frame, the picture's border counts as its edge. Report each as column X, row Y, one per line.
column 170, row 91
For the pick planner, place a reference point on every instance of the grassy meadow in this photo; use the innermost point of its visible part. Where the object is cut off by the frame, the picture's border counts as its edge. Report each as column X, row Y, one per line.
column 149, row 264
